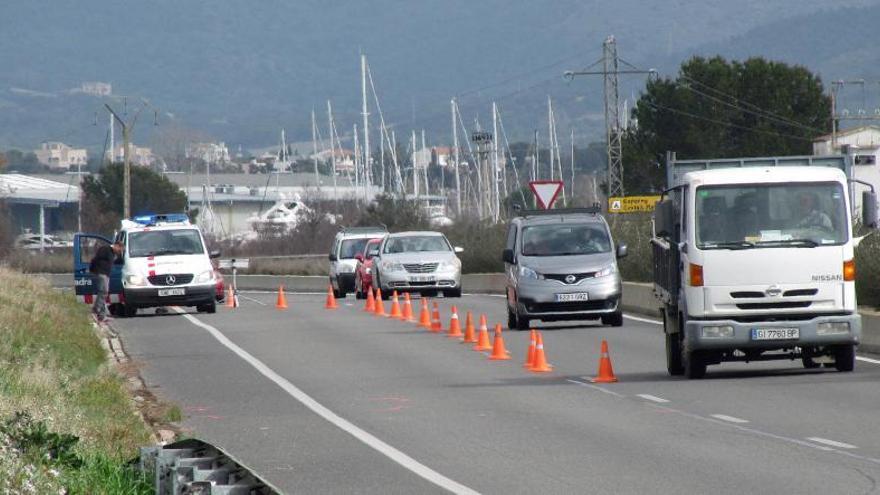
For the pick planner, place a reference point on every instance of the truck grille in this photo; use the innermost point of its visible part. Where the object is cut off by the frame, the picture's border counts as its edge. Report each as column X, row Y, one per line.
column 171, row 279
column 577, row 277
column 420, row 267
column 775, row 305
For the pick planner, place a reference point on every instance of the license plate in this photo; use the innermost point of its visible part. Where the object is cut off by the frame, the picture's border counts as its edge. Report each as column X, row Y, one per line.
column 424, row 278
column 576, row 296
column 172, row 292
column 775, row 333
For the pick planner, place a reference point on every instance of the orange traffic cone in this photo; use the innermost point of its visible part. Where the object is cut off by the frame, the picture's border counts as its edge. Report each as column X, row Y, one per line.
column 425, row 316
column 407, row 308
column 483, row 343
column 454, row 327
column 331, row 300
column 395, row 307
column 540, row 365
column 606, row 373
column 281, row 303
column 470, row 336
column 530, row 356
column 499, row 353
column 436, row 325
column 380, row 305
column 230, row 298
column 370, row 306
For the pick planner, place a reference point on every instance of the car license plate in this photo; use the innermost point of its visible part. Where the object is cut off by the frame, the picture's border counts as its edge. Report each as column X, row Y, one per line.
column 423, row 278
column 575, row 296
column 172, row 292
column 775, row 333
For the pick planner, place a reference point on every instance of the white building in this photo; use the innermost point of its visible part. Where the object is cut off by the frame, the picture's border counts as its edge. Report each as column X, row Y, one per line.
column 139, row 155
column 211, row 153
column 344, row 159
column 60, row 156
column 862, row 144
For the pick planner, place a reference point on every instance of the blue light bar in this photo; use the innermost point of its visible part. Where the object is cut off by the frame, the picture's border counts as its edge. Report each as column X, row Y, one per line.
column 156, row 219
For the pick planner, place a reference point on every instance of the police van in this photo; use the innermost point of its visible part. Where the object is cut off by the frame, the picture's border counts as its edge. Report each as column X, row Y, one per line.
column 165, row 262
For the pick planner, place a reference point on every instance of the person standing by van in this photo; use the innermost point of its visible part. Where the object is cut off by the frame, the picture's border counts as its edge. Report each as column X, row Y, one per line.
column 101, row 266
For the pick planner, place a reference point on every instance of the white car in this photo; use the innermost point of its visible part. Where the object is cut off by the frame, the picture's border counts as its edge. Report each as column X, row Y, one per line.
column 423, row 262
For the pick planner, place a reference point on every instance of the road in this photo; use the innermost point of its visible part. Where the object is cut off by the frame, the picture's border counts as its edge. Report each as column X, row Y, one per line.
column 320, row 401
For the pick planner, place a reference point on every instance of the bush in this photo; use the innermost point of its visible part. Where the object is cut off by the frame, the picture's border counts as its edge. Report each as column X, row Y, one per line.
column 634, row 230
column 867, row 257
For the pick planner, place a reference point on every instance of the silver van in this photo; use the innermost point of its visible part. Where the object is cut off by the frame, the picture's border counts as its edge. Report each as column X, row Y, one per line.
column 346, row 245
column 562, row 265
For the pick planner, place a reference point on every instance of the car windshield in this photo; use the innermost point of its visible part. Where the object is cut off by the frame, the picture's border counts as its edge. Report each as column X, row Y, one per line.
column 771, row 215
column 164, row 242
column 351, row 247
column 565, row 239
column 416, row 244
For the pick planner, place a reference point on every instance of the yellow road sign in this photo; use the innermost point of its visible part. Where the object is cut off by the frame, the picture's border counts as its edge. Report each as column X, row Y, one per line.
column 632, row 204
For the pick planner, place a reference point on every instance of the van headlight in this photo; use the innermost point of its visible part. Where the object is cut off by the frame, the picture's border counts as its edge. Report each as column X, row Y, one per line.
column 135, row 280
column 527, row 273
column 608, row 270
column 832, row 327
column 206, row 276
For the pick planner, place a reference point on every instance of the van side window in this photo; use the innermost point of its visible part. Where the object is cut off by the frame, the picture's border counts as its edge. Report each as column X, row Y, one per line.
column 511, row 237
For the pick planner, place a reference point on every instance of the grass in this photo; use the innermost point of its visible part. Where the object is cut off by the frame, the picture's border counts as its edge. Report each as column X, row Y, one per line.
column 54, row 372
column 31, row 261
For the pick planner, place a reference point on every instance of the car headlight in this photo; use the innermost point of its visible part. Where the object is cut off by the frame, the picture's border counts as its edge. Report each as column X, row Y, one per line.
column 608, row 270
column 454, row 264
column 390, row 266
column 135, row 280
column 832, row 327
column 527, row 273
column 205, row 276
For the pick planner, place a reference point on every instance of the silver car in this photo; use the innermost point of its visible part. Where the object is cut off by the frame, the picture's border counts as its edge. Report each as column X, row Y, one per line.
column 562, row 265
column 422, row 262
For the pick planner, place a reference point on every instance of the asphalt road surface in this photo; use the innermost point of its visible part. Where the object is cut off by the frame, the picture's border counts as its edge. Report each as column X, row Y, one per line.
column 319, row 401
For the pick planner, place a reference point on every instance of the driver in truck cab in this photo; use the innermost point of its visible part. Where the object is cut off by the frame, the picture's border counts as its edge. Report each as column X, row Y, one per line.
column 811, row 215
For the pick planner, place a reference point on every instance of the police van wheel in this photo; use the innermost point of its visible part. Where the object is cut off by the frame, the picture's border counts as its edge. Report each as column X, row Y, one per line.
column 115, row 310
column 209, row 308
column 129, row 311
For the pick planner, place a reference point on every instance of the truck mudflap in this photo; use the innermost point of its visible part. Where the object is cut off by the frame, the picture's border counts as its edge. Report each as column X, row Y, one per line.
column 816, row 332
column 194, row 466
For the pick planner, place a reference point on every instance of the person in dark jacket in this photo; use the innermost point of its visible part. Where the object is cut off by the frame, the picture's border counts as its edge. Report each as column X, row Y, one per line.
column 100, row 266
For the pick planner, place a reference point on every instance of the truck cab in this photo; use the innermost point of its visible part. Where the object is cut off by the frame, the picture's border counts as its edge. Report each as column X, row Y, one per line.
column 754, row 260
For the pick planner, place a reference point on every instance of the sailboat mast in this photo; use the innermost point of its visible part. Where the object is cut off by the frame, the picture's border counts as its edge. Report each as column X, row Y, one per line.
column 456, row 156
column 315, row 148
column 496, row 206
column 332, row 126
column 366, row 114
column 415, row 166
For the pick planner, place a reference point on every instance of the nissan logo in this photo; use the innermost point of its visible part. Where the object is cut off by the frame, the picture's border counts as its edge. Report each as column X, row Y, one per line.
column 569, row 279
column 170, row 279
column 773, row 291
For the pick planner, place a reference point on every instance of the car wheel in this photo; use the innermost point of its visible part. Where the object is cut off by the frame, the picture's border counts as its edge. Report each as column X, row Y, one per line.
column 614, row 319
column 845, row 357
column 452, row 293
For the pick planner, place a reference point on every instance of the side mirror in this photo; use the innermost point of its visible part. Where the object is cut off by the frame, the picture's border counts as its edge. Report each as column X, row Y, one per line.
column 507, row 256
column 621, row 250
column 333, row 257
column 869, row 209
column 458, row 249
column 663, row 221
column 359, row 257
column 214, row 254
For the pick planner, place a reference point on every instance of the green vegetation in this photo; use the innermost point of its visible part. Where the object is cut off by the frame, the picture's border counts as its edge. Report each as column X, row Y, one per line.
column 66, row 419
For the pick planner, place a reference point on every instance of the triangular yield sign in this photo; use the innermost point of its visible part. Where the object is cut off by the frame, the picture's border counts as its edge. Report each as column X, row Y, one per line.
column 546, row 191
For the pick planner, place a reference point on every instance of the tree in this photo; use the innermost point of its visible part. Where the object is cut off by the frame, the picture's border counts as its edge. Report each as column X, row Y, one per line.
column 150, row 193
column 716, row 108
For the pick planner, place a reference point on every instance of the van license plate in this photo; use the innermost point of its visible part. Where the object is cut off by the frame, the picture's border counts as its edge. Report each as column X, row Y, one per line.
column 775, row 333
column 576, row 296
column 172, row 292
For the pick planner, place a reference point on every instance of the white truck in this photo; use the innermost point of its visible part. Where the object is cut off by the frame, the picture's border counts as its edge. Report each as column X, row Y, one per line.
column 753, row 261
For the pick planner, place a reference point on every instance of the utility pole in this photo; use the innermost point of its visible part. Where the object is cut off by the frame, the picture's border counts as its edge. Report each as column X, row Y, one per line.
column 366, row 116
column 456, row 158
column 127, row 130
column 611, row 75
column 112, row 140
column 571, row 187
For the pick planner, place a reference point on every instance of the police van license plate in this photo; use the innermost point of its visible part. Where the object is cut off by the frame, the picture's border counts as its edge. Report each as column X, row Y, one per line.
column 575, row 296
column 775, row 333
column 172, row 292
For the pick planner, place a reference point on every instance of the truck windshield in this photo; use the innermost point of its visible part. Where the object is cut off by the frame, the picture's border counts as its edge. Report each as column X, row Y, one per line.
column 771, row 215
column 565, row 239
column 164, row 242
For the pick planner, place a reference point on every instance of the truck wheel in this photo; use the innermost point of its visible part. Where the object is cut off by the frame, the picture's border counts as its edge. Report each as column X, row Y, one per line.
column 845, row 357
column 694, row 364
column 809, row 363
column 673, row 354
column 614, row 319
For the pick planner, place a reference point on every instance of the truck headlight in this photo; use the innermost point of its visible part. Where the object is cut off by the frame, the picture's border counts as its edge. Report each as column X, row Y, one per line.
column 205, row 276
column 608, row 270
column 527, row 273
column 135, row 280
column 717, row 332
column 832, row 328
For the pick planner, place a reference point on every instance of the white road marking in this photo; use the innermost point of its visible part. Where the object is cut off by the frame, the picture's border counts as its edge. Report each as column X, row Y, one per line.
column 596, row 387
column 343, row 424
column 832, row 443
column 246, row 298
column 643, row 320
column 868, row 360
column 653, row 398
column 731, row 419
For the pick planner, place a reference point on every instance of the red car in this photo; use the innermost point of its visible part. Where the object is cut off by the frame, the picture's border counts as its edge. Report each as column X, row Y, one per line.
column 363, row 272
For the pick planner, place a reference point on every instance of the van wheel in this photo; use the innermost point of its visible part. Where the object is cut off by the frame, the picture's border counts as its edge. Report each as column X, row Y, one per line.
column 673, row 354
column 694, row 364
column 614, row 319
column 845, row 357
column 515, row 321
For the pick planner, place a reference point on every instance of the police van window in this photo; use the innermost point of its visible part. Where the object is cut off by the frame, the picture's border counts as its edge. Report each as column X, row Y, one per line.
column 164, row 243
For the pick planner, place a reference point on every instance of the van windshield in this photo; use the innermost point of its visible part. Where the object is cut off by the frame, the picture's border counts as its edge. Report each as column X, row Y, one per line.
column 164, row 242
column 351, row 247
column 770, row 215
column 565, row 239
